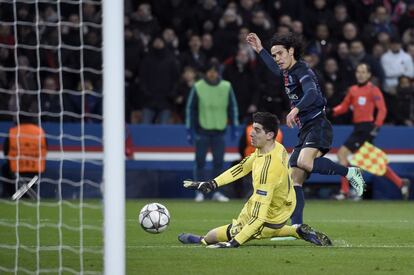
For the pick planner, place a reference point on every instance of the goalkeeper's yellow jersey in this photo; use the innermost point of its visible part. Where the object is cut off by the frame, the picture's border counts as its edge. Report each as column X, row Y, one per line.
column 273, row 200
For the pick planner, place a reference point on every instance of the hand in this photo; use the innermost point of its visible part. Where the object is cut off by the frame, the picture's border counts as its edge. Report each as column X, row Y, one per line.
column 291, row 118
column 254, row 41
column 231, row 244
column 190, row 136
column 204, row 186
column 374, row 131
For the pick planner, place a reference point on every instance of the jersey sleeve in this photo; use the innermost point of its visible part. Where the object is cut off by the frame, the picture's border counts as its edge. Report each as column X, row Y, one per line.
column 236, row 172
column 270, row 63
column 269, row 181
column 343, row 107
column 380, row 105
column 309, row 91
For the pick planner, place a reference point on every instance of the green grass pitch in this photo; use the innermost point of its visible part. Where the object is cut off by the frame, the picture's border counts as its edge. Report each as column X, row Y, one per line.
column 370, row 237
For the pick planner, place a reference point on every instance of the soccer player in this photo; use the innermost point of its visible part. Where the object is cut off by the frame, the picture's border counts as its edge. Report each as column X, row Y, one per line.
column 364, row 98
column 307, row 113
column 273, row 200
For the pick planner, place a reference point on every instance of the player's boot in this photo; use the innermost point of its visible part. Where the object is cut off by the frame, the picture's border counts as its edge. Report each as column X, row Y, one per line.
column 188, row 238
column 405, row 189
column 356, row 180
column 308, row 234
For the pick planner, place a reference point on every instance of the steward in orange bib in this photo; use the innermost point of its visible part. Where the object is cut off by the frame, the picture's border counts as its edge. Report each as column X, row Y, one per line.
column 25, row 150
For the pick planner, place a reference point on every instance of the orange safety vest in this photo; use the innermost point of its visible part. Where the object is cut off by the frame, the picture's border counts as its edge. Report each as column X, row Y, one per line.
column 249, row 148
column 27, row 149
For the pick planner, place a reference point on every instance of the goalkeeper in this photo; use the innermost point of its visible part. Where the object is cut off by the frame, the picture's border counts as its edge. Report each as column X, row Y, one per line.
column 273, row 200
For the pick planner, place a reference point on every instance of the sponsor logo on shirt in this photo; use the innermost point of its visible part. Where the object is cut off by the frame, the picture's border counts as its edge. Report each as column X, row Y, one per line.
column 261, row 192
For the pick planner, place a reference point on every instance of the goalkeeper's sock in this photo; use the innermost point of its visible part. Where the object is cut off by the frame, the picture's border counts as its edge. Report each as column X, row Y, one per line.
column 326, row 166
column 188, row 238
column 390, row 174
column 297, row 216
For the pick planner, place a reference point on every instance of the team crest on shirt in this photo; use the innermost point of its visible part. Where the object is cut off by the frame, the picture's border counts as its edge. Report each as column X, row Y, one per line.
column 261, row 192
column 362, row 100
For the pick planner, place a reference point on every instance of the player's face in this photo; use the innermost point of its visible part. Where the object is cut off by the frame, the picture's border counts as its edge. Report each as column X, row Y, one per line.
column 362, row 74
column 259, row 136
column 283, row 57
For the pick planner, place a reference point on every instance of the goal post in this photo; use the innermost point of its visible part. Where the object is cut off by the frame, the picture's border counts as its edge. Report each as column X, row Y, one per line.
column 114, row 137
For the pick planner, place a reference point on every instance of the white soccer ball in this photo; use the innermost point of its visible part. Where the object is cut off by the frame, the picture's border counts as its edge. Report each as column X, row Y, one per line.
column 154, row 218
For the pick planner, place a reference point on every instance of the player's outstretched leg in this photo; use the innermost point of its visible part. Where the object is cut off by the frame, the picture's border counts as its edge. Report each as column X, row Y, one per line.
column 356, row 180
column 308, row 234
column 188, row 238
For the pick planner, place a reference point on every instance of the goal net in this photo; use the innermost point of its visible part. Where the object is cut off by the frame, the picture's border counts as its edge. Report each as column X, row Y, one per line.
column 51, row 77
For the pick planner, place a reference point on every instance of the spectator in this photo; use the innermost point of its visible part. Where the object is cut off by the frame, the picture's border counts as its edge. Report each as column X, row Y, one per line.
column 207, row 16
column 158, row 76
column 171, row 41
column 245, row 84
column 341, row 17
column 207, row 46
column 380, row 22
column 226, row 37
column 209, row 106
column 143, row 20
column 322, row 45
column 194, row 57
column 350, row 32
column 405, row 104
column 317, row 13
column 395, row 62
column 262, row 25
column 182, row 89
column 357, row 54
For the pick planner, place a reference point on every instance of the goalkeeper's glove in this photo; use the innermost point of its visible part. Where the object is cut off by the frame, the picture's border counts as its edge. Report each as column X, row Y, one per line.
column 204, row 186
column 231, row 244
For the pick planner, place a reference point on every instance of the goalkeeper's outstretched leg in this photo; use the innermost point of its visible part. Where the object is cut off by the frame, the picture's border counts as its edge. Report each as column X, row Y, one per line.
column 219, row 234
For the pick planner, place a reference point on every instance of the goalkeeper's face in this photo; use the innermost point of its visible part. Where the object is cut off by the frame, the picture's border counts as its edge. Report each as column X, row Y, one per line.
column 259, row 136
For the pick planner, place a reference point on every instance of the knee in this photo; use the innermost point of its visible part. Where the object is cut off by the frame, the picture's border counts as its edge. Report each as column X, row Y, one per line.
column 297, row 176
column 305, row 164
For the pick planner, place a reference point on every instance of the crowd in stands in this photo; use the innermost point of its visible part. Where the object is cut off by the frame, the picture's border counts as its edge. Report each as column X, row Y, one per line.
column 169, row 42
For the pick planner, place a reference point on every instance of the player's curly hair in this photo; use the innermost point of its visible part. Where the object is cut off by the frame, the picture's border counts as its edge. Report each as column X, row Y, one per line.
column 289, row 40
column 269, row 121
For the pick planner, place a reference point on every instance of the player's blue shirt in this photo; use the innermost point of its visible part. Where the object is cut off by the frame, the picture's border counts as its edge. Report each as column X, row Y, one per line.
column 301, row 86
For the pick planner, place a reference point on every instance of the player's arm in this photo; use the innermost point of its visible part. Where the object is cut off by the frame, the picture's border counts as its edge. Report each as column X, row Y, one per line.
column 254, row 41
column 381, row 107
column 343, row 107
column 232, row 174
column 309, row 91
column 236, row 172
column 269, row 61
column 190, row 110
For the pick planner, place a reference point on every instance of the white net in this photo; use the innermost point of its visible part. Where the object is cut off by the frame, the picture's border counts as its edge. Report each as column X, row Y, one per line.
column 51, row 77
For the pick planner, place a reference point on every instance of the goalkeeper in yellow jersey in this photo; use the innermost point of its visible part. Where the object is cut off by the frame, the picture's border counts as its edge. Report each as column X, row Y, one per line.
column 273, row 200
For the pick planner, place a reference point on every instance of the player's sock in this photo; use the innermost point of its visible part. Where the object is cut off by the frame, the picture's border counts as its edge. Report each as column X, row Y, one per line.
column 326, row 166
column 390, row 174
column 297, row 216
column 287, row 231
column 188, row 238
column 344, row 185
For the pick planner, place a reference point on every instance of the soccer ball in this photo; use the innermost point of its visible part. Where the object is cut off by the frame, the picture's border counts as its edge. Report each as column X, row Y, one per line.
column 154, row 218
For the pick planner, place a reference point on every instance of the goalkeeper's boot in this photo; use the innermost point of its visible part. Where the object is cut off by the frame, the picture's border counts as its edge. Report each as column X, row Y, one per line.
column 308, row 234
column 188, row 238
column 356, row 180
column 405, row 188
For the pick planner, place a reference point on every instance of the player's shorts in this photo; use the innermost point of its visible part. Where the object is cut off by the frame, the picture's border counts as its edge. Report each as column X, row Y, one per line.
column 360, row 134
column 266, row 231
column 316, row 133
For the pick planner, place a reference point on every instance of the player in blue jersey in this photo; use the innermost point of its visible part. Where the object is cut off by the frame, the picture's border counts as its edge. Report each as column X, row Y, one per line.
column 307, row 113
